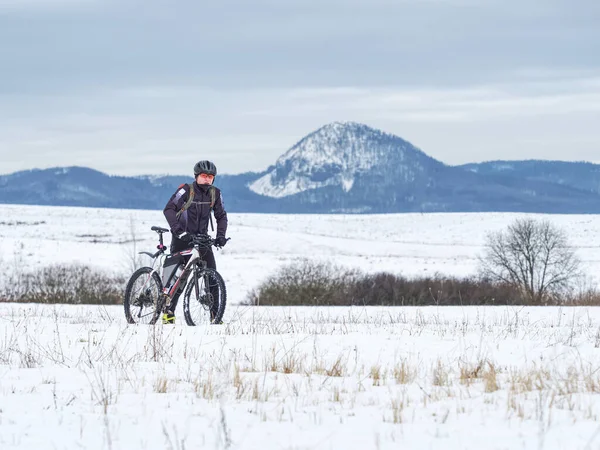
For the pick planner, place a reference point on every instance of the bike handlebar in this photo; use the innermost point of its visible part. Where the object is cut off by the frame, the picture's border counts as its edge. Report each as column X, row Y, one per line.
column 205, row 241
column 200, row 240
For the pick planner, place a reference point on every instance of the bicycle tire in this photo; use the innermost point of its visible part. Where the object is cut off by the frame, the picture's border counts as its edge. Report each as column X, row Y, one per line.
column 193, row 307
column 150, row 300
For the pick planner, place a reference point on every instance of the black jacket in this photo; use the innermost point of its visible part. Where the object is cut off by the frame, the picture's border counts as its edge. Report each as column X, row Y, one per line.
column 195, row 219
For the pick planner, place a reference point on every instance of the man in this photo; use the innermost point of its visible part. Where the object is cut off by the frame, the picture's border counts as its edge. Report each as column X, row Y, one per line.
column 187, row 222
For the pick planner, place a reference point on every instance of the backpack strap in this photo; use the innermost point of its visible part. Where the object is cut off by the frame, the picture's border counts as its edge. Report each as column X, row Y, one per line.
column 213, row 194
column 189, row 201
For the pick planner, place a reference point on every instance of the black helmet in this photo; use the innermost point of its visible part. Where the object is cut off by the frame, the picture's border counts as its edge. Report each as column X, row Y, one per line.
column 205, row 167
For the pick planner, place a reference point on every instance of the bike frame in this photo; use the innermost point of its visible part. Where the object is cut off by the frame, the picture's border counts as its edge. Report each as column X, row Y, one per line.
column 187, row 269
column 190, row 266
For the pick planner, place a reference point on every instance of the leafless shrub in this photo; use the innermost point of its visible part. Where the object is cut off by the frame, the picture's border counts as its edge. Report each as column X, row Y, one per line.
column 585, row 293
column 315, row 283
column 395, row 290
column 304, row 283
column 73, row 284
column 533, row 256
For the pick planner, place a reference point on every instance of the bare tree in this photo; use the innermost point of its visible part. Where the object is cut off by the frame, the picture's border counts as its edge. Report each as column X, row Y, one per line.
column 532, row 255
column 133, row 260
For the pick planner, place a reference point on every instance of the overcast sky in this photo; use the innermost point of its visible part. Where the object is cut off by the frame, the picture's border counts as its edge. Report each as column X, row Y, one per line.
column 150, row 87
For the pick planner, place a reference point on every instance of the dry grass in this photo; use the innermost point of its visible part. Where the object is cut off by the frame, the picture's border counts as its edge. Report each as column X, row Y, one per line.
column 441, row 376
column 469, row 373
column 398, row 405
column 336, row 397
column 403, row 372
column 207, row 387
column 301, row 373
column 376, row 374
column 161, row 385
column 490, row 378
column 337, row 369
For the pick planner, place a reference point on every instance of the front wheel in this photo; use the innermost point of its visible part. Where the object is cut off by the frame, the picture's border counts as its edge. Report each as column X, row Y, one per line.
column 142, row 296
column 205, row 298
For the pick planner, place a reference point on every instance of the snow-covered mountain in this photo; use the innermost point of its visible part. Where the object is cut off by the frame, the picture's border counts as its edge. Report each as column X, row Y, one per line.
column 336, row 155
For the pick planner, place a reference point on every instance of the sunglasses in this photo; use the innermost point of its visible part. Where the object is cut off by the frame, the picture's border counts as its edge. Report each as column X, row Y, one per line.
column 206, row 175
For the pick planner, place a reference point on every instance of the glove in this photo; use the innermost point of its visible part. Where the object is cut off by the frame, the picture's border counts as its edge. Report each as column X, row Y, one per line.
column 220, row 241
column 185, row 237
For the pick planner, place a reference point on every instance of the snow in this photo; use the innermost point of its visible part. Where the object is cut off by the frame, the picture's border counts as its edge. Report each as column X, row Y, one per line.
column 266, row 185
column 504, row 166
column 348, row 147
column 347, row 183
column 301, row 378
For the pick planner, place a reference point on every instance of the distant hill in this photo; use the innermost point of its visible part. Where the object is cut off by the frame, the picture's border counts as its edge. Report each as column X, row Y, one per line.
column 339, row 168
column 583, row 176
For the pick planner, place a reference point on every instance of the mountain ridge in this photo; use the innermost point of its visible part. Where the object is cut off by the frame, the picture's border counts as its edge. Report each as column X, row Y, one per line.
column 334, row 155
column 342, row 167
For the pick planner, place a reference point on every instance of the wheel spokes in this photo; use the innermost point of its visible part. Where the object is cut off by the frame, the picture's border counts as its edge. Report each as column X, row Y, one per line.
column 144, row 299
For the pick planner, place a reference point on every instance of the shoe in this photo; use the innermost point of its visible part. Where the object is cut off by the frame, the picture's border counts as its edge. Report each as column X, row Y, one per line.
column 213, row 321
column 168, row 318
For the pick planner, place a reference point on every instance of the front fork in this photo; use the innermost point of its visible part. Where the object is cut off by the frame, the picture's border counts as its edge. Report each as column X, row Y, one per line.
column 199, row 294
column 206, row 293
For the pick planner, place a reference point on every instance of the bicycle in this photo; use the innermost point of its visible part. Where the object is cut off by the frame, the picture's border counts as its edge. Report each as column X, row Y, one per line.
column 203, row 288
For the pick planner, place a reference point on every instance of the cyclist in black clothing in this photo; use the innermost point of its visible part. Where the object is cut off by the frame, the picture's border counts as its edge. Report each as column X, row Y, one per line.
column 187, row 219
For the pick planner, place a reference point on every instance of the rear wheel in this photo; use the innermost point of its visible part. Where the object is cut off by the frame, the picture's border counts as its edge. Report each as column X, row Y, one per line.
column 205, row 298
column 143, row 297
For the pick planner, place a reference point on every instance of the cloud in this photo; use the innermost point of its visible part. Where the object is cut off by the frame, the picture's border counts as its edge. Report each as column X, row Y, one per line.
column 242, row 81
column 161, row 129
column 290, row 44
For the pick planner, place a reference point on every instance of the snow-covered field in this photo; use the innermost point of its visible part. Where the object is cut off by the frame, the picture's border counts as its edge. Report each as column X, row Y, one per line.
column 302, row 378
column 411, row 244
column 295, row 378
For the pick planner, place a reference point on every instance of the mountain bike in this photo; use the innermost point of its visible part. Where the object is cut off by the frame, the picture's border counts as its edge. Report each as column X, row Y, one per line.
column 203, row 288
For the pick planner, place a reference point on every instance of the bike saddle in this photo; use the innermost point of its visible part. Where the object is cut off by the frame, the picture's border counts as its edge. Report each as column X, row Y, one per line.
column 159, row 229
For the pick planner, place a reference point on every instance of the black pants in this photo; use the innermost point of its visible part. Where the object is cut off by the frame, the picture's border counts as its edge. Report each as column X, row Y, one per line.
column 177, row 245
